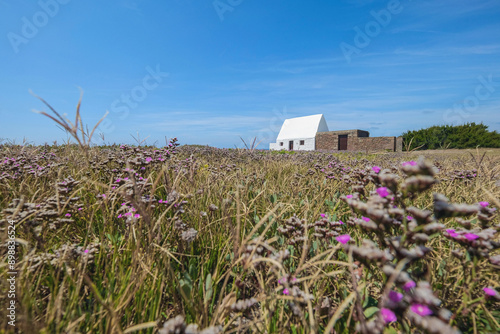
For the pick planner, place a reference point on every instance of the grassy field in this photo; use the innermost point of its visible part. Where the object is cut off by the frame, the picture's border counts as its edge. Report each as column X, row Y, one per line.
column 464, row 153
column 126, row 239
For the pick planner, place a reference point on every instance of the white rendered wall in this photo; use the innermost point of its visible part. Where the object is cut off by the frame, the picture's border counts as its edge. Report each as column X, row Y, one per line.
column 309, row 144
column 275, row 146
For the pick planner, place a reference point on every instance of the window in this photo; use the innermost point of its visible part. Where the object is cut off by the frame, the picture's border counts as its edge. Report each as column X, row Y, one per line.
column 281, row 143
column 301, row 142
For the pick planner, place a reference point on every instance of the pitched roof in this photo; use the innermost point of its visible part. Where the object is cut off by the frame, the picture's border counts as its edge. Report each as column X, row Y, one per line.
column 302, row 127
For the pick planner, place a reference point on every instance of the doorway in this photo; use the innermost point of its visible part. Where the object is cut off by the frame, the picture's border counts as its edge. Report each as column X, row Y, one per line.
column 290, row 145
column 342, row 142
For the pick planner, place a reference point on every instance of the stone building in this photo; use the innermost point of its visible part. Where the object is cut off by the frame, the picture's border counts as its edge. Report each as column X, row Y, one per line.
column 311, row 133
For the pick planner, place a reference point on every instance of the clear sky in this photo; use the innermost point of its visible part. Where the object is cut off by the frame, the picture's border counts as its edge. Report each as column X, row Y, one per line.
column 209, row 71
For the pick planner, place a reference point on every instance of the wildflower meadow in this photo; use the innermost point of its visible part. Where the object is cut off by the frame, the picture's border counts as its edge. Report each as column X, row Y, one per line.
column 195, row 239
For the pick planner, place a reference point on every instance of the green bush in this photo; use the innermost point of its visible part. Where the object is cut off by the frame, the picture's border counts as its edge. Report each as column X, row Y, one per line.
column 469, row 135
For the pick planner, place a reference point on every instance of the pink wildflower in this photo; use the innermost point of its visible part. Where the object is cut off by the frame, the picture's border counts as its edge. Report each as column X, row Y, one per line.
column 365, row 219
column 80, row 209
column 137, row 215
column 343, row 239
column 120, row 215
column 484, row 204
column 322, row 215
column 421, row 309
column 382, row 191
column 490, row 291
column 388, row 315
column 341, row 222
column 285, row 291
column 395, row 296
column 86, row 251
column 348, row 196
column 452, row 233
column 409, row 285
column 471, row 236
column 68, row 215
column 376, row 169
column 409, row 217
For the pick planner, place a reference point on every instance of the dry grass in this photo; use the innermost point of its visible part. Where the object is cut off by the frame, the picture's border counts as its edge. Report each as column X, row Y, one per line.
column 216, row 249
column 456, row 153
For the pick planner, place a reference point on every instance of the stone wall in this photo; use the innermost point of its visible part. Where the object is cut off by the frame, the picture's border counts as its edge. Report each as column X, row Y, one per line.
column 399, row 144
column 357, row 140
column 372, row 144
column 329, row 141
column 362, row 133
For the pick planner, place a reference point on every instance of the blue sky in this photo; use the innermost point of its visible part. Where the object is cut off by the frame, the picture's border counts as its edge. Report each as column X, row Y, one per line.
column 210, row 71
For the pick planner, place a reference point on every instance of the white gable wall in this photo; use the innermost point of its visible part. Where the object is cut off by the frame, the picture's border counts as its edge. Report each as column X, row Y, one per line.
column 300, row 128
column 322, row 127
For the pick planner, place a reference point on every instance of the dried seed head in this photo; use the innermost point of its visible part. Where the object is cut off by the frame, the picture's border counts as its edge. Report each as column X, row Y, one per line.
column 189, row 235
column 242, row 305
column 418, row 184
column 173, row 326
column 178, row 326
column 495, row 260
column 422, row 216
column 369, row 252
column 431, row 324
column 421, row 167
column 444, row 209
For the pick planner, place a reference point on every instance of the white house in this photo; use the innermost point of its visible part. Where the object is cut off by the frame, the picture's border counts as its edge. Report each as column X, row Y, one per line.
column 300, row 133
